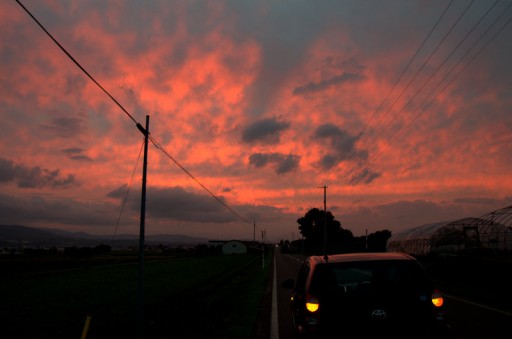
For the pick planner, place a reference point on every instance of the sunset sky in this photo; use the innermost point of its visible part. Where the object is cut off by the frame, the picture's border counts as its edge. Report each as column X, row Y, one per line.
column 403, row 109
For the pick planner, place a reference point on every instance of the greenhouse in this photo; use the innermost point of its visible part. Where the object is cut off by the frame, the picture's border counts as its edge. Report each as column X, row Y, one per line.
column 490, row 231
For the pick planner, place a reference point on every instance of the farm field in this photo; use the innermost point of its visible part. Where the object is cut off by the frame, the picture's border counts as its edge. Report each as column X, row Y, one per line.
column 184, row 297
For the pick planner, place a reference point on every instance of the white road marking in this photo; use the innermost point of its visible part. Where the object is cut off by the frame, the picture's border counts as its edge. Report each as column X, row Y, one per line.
column 274, row 324
column 478, row 305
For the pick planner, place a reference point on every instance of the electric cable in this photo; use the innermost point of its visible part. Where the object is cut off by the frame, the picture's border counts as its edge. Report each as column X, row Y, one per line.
column 127, row 191
column 351, row 180
column 76, row 62
column 431, row 94
column 381, row 105
column 351, row 170
column 139, row 126
column 197, row 181
column 443, row 39
column 405, row 70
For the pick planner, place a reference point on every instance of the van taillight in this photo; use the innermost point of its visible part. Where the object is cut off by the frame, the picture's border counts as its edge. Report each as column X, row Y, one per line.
column 437, row 298
column 312, row 304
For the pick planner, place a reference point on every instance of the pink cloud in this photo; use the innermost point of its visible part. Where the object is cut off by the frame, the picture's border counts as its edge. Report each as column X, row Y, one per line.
column 206, row 77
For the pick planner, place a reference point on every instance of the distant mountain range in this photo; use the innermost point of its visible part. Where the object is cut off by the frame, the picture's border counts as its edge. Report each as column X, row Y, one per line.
column 23, row 236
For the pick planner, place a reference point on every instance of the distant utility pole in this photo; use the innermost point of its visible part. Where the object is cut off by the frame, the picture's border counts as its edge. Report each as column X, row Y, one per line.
column 254, row 232
column 262, row 248
column 325, row 219
column 302, row 243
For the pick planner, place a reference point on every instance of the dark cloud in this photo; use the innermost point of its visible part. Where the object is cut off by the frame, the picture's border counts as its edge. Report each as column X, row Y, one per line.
column 37, row 209
column 402, row 215
column 265, row 213
column 341, row 145
column 266, row 131
column 328, row 161
column 365, row 176
column 75, row 84
column 118, row 193
column 312, row 87
column 421, row 211
column 284, row 32
column 478, row 201
column 7, row 172
column 334, row 64
column 76, row 154
column 34, row 177
column 65, row 127
column 174, row 203
column 281, row 162
column 259, row 160
column 99, row 217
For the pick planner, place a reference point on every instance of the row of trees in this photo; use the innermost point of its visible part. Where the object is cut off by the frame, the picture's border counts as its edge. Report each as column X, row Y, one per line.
column 323, row 234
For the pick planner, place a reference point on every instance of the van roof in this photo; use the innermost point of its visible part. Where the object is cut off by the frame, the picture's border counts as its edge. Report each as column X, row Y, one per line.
column 363, row 256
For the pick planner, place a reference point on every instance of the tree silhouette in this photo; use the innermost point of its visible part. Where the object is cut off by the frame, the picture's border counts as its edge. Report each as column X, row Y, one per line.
column 311, row 226
column 339, row 240
column 377, row 241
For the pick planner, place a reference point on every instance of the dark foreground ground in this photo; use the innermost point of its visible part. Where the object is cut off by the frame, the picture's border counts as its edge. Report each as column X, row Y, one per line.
column 187, row 297
column 184, row 297
column 484, row 279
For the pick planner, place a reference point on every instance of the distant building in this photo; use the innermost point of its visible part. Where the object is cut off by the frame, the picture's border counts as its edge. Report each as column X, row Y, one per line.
column 234, row 247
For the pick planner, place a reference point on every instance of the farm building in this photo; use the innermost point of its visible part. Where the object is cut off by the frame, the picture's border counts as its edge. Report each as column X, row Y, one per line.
column 490, row 231
column 234, row 247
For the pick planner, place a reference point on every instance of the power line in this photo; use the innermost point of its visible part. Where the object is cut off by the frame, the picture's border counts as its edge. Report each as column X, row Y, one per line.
column 467, row 63
column 139, row 126
column 350, row 171
column 127, row 191
column 425, row 83
column 443, row 39
column 405, row 70
column 197, row 181
column 381, row 105
column 431, row 94
column 76, row 62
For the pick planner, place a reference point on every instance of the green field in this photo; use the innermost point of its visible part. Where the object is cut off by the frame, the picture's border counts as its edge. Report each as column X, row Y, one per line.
column 184, row 297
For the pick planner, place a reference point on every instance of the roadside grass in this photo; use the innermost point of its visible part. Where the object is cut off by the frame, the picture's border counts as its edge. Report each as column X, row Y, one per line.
column 186, row 297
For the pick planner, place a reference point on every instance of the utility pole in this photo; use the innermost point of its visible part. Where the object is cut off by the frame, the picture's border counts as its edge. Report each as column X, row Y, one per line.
column 325, row 219
column 302, row 243
column 140, row 298
column 262, row 248
column 254, row 232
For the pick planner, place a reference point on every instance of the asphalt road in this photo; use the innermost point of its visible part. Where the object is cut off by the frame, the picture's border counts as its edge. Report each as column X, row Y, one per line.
column 467, row 318
column 287, row 266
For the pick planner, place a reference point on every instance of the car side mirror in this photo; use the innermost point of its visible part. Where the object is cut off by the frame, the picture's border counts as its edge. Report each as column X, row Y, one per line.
column 288, row 284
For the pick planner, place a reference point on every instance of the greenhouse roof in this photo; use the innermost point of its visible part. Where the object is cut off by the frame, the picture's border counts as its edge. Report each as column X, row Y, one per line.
column 428, row 230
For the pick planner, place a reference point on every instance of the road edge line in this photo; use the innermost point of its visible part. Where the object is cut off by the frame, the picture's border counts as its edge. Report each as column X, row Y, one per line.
column 274, row 323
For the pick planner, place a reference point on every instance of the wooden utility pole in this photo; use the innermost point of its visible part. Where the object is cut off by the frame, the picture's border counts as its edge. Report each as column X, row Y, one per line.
column 325, row 219
column 140, row 295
